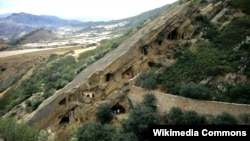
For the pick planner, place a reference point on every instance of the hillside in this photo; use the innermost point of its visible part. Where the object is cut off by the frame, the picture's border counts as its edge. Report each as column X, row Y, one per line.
column 17, row 23
column 39, row 35
column 187, row 65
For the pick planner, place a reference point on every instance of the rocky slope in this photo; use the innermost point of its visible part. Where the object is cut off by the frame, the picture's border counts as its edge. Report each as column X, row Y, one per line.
column 38, row 35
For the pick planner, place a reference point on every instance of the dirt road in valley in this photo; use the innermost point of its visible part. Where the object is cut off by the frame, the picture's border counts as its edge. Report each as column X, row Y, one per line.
column 60, row 50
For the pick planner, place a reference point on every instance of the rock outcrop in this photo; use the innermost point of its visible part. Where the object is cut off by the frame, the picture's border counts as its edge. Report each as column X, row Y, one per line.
column 104, row 80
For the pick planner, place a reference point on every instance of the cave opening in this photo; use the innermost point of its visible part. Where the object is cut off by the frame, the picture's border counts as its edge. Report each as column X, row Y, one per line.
column 128, row 74
column 173, row 35
column 109, row 77
column 154, row 65
column 64, row 120
column 62, row 102
column 118, row 109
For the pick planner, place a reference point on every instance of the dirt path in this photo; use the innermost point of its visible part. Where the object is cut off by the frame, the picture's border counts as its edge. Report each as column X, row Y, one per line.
column 2, row 93
column 18, row 52
column 78, row 51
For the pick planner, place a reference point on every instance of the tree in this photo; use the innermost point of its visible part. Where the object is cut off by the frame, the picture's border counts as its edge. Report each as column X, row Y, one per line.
column 195, row 91
column 90, row 131
column 242, row 4
column 150, row 101
column 239, row 93
column 140, row 118
column 225, row 119
column 104, row 113
column 120, row 136
column 175, row 115
column 95, row 131
column 192, row 118
column 148, row 80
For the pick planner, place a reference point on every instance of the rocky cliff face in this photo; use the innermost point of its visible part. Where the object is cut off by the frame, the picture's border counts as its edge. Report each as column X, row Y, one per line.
column 104, row 80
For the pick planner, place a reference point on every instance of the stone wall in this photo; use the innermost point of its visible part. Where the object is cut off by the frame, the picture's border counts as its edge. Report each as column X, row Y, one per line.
column 166, row 101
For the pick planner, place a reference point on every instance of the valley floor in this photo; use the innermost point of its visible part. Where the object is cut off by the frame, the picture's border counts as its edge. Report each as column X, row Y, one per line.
column 54, row 50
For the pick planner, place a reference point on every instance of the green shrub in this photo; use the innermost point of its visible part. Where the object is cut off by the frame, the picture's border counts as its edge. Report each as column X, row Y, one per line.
column 229, row 37
column 104, row 114
column 192, row 118
column 211, row 34
column 160, row 37
column 225, row 119
column 90, row 131
column 139, row 120
column 12, row 131
column 245, row 117
column 175, row 116
column 28, row 103
column 149, row 100
column 239, row 93
column 149, row 81
column 35, row 104
column 244, row 5
column 196, row 91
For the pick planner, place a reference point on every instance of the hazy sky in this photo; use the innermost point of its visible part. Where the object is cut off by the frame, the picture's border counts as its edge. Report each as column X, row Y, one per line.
column 75, row 9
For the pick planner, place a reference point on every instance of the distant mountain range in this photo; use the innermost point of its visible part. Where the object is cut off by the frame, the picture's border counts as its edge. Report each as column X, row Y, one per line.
column 17, row 23
column 5, row 15
column 12, row 25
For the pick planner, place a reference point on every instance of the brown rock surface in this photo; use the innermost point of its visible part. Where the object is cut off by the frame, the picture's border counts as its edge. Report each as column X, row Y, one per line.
column 103, row 81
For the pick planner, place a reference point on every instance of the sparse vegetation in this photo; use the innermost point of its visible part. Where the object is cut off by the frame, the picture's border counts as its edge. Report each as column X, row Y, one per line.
column 17, row 41
column 213, row 58
column 55, row 73
column 10, row 130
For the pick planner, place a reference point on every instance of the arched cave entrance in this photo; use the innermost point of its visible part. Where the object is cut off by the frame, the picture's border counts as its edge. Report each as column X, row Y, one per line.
column 64, row 120
column 173, row 35
column 128, row 74
column 109, row 77
column 154, row 65
column 62, row 102
column 118, row 109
